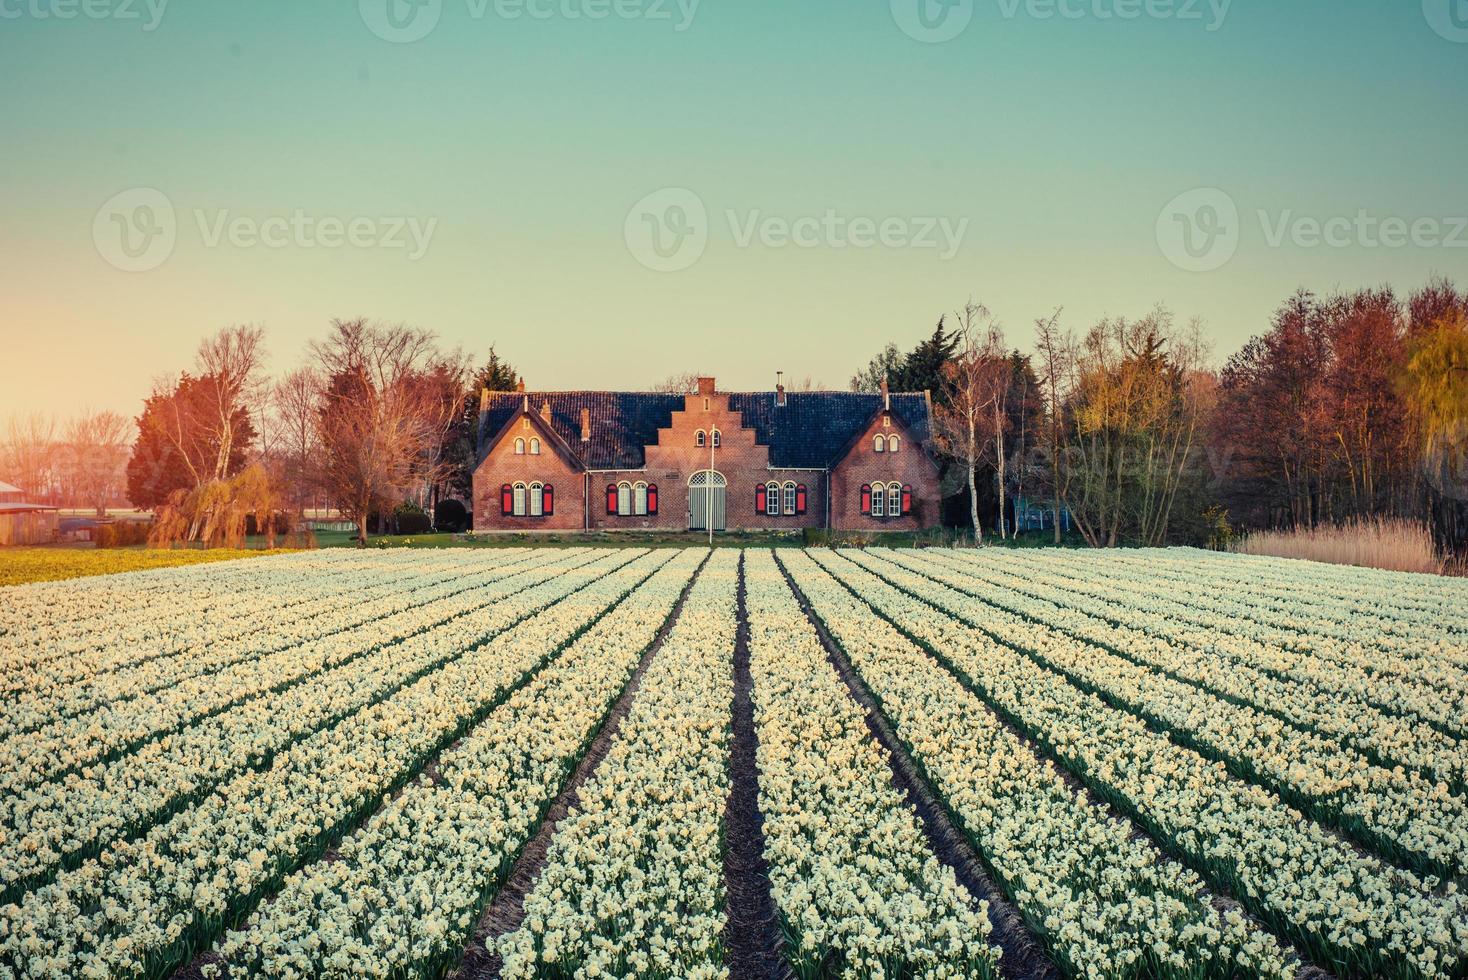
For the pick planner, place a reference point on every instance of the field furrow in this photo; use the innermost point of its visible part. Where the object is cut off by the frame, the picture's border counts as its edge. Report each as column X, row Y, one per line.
column 859, row 890
column 1104, row 900
column 406, row 889
column 633, row 883
column 145, row 906
column 1352, row 913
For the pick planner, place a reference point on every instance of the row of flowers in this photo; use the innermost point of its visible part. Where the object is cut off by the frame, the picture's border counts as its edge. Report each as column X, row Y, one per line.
column 1397, row 651
column 72, row 744
column 1105, row 901
column 1409, row 604
column 1204, row 660
column 40, row 564
column 143, row 906
column 859, row 890
column 407, row 888
column 206, row 656
column 57, row 825
column 1396, row 812
column 633, row 884
column 1349, row 910
column 64, row 620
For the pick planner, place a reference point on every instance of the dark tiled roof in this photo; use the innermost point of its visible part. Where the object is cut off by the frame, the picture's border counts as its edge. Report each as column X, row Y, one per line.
column 815, row 427
column 809, row 432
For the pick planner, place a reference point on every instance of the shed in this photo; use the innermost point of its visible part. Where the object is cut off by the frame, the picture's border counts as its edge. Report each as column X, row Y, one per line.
column 22, row 522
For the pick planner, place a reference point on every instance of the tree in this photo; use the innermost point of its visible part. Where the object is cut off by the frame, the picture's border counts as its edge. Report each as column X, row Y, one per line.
column 884, row 367
column 173, row 450
column 30, row 454
column 1057, row 365
column 496, row 374
column 296, row 412
column 923, row 368
column 1435, row 386
column 94, row 455
column 677, row 384
column 970, row 419
column 383, row 415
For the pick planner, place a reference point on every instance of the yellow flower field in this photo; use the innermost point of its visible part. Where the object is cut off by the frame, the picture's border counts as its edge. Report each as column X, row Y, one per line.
column 21, row 565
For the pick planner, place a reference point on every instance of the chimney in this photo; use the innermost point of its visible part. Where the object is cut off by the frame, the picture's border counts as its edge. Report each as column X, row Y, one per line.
column 520, row 385
column 586, row 425
column 705, row 386
column 886, row 397
column 779, row 389
column 545, row 410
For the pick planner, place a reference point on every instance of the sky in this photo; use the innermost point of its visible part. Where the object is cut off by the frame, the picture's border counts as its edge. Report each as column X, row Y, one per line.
column 613, row 191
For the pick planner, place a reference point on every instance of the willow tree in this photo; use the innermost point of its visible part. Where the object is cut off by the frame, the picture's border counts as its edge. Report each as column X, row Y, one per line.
column 1436, row 389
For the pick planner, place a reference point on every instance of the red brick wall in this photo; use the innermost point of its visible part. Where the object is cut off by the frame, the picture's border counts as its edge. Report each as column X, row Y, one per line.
column 863, row 465
column 676, row 456
column 503, row 466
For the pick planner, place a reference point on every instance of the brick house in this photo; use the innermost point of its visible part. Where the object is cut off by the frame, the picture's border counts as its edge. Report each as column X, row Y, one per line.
column 597, row 460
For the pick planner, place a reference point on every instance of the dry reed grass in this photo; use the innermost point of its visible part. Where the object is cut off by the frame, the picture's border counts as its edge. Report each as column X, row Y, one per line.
column 1392, row 545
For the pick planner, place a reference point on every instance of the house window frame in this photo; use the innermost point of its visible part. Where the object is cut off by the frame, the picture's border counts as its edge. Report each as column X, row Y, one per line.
column 879, row 443
column 893, row 444
column 788, row 500
column 534, row 446
column 639, row 499
column 718, row 438
column 879, row 500
column 772, row 499
column 894, row 500
column 700, row 439
column 624, row 499
column 519, row 495
column 519, row 446
column 536, row 499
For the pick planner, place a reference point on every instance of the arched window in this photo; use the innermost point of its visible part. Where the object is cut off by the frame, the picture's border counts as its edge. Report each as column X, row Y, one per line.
column 879, row 500
column 639, row 499
column 624, row 498
column 772, row 499
column 535, row 447
column 892, row 444
column 790, row 500
column 700, row 439
column 519, row 447
column 519, row 500
column 716, row 438
column 894, row 500
column 537, row 502
column 879, row 444
column 866, row 498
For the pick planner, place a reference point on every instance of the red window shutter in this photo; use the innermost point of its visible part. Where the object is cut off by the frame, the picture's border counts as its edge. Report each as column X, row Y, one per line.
column 507, row 499
column 611, row 498
column 759, row 499
column 652, row 498
column 906, row 499
column 800, row 499
column 866, row 498
column 548, row 500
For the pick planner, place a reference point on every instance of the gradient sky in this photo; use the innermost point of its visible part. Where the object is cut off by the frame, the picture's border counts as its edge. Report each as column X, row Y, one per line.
column 1059, row 139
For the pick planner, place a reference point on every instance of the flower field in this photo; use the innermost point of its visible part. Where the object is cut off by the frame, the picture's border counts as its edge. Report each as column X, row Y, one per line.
column 521, row 763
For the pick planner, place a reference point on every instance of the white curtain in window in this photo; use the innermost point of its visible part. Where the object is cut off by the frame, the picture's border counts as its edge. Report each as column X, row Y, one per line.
column 519, row 500
column 639, row 499
column 894, row 500
column 624, row 498
column 537, row 500
column 879, row 444
column 789, row 498
column 879, row 501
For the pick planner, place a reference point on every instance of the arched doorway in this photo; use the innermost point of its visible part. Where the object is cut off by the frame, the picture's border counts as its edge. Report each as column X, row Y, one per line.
column 706, row 490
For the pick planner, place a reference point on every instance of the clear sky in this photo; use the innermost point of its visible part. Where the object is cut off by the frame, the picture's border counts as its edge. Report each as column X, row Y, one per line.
column 611, row 191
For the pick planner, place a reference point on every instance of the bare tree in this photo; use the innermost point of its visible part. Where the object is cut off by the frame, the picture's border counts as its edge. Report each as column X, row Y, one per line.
column 296, row 416
column 677, row 384
column 971, row 422
column 93, row 461
column 382, row 415
column 1058, row 365
column 229, row 364
column 30, row 453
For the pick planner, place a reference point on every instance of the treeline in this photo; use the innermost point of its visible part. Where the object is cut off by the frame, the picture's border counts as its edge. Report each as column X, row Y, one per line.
column 1348, row 407
column 380, row 429
column 77, row 464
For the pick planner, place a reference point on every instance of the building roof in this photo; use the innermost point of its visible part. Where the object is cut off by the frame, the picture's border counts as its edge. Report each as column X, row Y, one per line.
column 9, row 487
column 20, row 508
column 811, row 431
